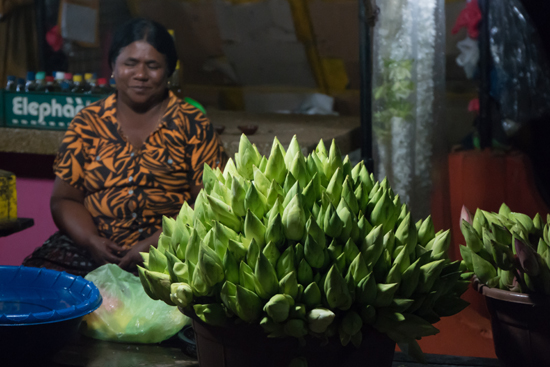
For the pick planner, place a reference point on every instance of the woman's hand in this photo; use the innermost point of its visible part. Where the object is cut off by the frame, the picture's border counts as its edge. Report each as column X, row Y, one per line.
column 103, row 250
column 132, row 258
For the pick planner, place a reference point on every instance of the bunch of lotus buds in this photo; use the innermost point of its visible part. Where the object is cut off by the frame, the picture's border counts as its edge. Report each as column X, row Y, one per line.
column 304, row 246
column 507, row 250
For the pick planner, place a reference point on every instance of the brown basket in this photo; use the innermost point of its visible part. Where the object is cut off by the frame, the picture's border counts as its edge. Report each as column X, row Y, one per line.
column 521, row 326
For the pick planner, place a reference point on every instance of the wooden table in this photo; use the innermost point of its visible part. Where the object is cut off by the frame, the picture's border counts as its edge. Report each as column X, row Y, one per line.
column 86, row 352
column 308, row 129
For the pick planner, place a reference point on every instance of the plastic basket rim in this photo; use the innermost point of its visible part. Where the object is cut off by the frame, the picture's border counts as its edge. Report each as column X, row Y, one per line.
column 90, row 304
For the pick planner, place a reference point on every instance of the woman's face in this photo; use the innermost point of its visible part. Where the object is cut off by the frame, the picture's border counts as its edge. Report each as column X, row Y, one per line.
column 141, row 74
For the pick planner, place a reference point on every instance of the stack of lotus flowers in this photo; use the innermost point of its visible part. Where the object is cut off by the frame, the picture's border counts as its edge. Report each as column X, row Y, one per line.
column 304, row 246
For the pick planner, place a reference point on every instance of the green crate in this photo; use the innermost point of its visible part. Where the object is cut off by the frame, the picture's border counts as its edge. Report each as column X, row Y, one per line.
column 45, row 111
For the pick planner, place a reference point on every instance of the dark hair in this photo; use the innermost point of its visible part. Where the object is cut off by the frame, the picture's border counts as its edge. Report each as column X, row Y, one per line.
column 140, row 29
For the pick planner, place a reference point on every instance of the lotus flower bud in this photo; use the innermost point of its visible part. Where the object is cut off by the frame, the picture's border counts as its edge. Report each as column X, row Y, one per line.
column 237, row 249
column 341, row 262
column 332, row 223
column 358, row 268
column 383, row 212
column 246, row 276
column 299, row 170
column 175, row 268
column 426, row 231
column 294, row 219
column 247, row 158
column 504, row 210
column 289, row 285
column 321, row 150
column 270, row 326
column 394, row 276
column 336, row 290
column 312, row 191
column 466, row 254
column 276, row 169
column 384, row 294
column 351, row 251
column 364, row 228
column 181, row 294
column 266, row 284
column 334, row 160
column 312, row 295
column 374, row 245
column 285, row 264
column 525, row 221
column 382, row 266
column 228, row 294
column 334, row 188
column 159, row 284
column 278, row 308
column 289, row 182
column 275, row 232
column 271, row 253
column 295, row 328
column 238, row 193
column 231, row 267
column 147, row 287
column 273, row 193
column 348, row 220
column 466, row 215
column 442, row 243
column 168, row 225
column 527, row 259
column 315, row 165
column 313, row 252
column 252, row 253
column 212, row 314
column 254, row 229
column 470, row 235
column 319, row 319
column 224, row 213
column 431, row 271
column 157, row 261
column 198, row 283
column 351, row 323
column 478, row 222
column 186, row 214
column 291, row 152
column 164, row 243
column 249, row 305
column 349, row 195
column 261, row 182
column 255, row 201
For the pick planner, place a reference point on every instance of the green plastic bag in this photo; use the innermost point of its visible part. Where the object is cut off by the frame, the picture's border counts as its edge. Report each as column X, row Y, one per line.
column 127, row 314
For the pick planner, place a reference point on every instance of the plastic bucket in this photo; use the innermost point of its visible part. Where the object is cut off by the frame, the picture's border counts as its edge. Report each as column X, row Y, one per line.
column 521, row 326
column 248, row 346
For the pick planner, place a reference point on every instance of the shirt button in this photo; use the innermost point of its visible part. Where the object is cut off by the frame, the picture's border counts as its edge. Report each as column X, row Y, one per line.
column 170, row 161
column 97, row 158
column 131, row 192
column 132, row 154
column 134, row 215
column 140, row 230
column 130, row 178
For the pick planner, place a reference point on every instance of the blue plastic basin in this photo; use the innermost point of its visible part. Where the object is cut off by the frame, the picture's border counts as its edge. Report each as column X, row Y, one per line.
column 40, row 310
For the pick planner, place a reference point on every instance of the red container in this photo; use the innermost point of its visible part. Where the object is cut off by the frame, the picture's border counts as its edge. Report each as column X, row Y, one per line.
column 521, row 326
column 248, row 346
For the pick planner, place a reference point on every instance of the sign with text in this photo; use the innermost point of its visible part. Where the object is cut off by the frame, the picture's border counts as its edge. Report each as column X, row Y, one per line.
column 51, row 111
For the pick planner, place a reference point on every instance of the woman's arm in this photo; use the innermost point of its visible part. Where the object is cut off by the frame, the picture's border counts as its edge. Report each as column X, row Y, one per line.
column 72, row 218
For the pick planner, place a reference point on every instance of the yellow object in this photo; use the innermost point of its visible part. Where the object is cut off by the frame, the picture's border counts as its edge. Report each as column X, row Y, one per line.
column 8, row 196
column 336, row 76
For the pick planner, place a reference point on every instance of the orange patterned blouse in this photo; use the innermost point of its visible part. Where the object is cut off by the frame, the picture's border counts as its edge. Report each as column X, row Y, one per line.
column 128, row 190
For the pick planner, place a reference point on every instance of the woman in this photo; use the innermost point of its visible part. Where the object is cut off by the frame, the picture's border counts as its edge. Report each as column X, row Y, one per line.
column 127, row 160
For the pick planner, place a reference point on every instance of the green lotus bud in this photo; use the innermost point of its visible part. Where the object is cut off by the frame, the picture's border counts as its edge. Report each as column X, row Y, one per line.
column 157, row 261
column 285, row 264
column 254, row 228
column 426, row 232
column 528, row 258
column 291, row 152
column 224, row 213
column 441, row 243
column 366, row 179
column 228, row 295
column 335, row 250
column 272, row 253
column 266, row 284
column 212, row 314
column 502, row 255
column 383, row 213
column 230, row 267
column 364, row 228
column 374, row 246
column 289, row 182
column 332, row 224
column 168, row 225
column 336, row 290
column 334, row 188
column 199, row 285
column 299, row 170
column 358, row 268
column 176, row 274
column 347, row 218
column 247, row 158
column 428, row 275
column 146, row 284
column 273, row 193
column 252, row 253
column 313, row 229
column 237, row 249
column 296, row 328
column 203, row 212
column 382, row 266
column 312, row 191
column 374, row 197
column 278, row 308
column 263, row 164
column 470, row 235
column 504, row 210
column 275, row 232
column 270, row 326
column 538, row 225
column 361, row 196
column 221, row 192
column 313, row 252
column 394, row 276
column 384, row 294
column 208, row 178
column 368, row 314
column 524, row 219
column 483, row 269
column 312, row 295
column 334, row 160
column 349, row 195
column 181, row 294
column 246, row 276
column 249, row 305
column 276, row 168
column 294, row 219
column 186, row 214
column 389, row 242
column 409, row 280
column 145, row 257
column 321, row 150
column 159, row 284
column 238, row 193
column 255, row 201
column 261, row 182
column 164, row 243
column 341, row 262
column 289, row 285
column 466, row 254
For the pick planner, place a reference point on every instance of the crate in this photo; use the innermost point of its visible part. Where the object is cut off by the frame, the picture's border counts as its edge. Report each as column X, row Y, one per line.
column 45, row 111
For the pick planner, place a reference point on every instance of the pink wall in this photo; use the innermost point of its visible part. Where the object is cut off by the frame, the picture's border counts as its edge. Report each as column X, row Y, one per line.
column 33, row 201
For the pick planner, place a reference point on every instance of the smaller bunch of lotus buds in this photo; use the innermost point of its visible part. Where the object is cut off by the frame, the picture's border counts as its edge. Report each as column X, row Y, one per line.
column 304, row 246
column 507, row 250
